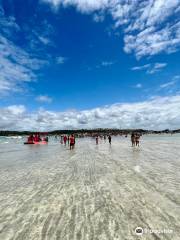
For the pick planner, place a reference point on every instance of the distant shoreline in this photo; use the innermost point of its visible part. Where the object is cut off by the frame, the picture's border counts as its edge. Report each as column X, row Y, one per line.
column 90, row 132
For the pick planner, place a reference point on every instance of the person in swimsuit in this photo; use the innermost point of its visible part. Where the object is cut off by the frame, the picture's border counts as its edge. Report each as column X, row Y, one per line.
column 65, row 139
column 137, row 138
column 30, row 139
column 97, row 140
column 109, row 138
column 37, row 138
column 72, row 142
column 62, row 137
column 133, row 139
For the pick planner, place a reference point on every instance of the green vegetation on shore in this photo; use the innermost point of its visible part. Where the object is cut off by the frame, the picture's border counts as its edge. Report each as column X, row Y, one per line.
column 90, row 131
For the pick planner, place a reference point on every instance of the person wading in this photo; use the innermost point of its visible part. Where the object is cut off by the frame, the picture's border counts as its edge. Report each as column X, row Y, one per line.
column 72, row 142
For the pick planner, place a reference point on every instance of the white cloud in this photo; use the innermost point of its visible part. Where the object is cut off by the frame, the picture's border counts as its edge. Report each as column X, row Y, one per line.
column 41, row 36
column 17, row 66
column 137, row 68
column 168, row 84
column 138, row 85
column 16, row 110
column 98, row 17
column 157, row 113
column 84, row 6
column 107, row 63
column 157, row 67
column 176, row 77
column 44, row 40
column 61, row 60
column 150, row 26
column 8, row 25
column 103, row 64
column 160, row 10
column 44, row 99
column 150, row 68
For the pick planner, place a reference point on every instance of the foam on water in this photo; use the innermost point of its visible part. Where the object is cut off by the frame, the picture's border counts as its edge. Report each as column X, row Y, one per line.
column 137, row 169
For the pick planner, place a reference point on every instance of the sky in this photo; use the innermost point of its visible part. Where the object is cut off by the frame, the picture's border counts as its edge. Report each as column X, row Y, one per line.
column 70, row 64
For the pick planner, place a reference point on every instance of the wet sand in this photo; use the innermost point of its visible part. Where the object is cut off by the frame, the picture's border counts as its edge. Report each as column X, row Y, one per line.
column 91, row 193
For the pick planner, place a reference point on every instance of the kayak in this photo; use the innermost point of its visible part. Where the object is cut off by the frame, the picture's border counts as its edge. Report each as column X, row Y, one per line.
column 41, row 143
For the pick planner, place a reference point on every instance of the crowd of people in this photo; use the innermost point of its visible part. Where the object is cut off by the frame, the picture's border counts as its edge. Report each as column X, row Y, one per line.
column 97, row 137
column 135, row 138
column 70, row 139
column 36, row 138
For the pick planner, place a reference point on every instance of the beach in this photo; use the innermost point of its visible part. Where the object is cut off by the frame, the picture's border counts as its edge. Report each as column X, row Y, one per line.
column 94, row 192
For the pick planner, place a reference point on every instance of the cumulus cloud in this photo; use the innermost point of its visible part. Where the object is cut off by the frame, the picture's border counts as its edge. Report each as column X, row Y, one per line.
column 150, row 26
column 44, row 99
column 150, row 68
column 157, row 113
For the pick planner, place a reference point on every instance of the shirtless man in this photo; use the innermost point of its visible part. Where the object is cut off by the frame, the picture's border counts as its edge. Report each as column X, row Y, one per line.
column 72, row 142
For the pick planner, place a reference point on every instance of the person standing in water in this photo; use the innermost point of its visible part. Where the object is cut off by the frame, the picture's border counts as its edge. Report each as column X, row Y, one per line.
column 62, row 137
column 137, row 138
column 133, row 139
column 30, row 139
column 37, row 138
column 97, row 140
column 65, row 139
column 109, row 138
column 72, row 142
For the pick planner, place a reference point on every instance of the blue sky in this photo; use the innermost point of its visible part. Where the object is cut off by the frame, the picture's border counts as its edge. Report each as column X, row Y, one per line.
column 80, row 63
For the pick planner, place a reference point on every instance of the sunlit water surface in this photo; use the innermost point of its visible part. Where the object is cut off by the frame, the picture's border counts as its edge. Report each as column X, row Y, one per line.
column 94, row 192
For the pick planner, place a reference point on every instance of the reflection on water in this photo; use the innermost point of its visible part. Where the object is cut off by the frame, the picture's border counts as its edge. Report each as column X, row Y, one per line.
column 93, row 192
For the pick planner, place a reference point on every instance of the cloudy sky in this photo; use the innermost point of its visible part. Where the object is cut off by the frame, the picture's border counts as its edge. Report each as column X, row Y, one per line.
column 67, row 64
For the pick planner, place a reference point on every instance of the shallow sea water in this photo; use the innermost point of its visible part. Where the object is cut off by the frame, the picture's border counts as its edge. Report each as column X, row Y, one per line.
column 94, row 192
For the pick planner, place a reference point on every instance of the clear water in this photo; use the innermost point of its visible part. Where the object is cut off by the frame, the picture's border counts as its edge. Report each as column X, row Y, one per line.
column 91, row 193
